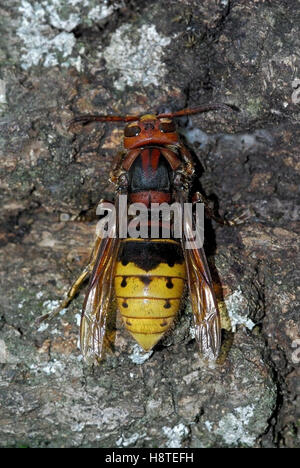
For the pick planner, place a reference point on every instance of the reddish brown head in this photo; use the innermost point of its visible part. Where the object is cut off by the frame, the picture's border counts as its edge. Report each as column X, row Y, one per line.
column 150, row 129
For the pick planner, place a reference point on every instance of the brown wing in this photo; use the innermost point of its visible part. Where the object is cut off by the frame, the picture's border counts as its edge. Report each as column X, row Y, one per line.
column 97, row 301
column 203, row 299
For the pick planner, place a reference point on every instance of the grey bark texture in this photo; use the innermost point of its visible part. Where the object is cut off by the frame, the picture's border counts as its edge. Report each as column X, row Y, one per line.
column 62, row 59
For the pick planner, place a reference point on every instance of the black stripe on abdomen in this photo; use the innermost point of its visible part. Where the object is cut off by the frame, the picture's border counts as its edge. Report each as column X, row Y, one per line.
column 148, row 255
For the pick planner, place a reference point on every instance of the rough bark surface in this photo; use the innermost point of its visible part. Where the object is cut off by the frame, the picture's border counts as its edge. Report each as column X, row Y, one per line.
column 129, row 56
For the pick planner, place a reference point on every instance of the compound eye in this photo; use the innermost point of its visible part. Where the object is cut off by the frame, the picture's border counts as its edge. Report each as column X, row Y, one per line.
column 132, row 130
column 167, row 126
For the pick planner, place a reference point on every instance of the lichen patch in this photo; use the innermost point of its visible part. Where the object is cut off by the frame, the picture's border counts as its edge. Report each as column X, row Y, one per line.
column 40, row 45
column 136, row 56
column 46, row 30
column 237, row 310
column 175, row 435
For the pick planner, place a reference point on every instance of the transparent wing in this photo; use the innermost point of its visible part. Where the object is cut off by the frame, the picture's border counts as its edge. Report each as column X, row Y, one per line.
column 98, row 298
column 97, row 301
column 203, row 299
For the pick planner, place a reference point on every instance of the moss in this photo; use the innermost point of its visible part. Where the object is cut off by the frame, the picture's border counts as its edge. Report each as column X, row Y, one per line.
column 254, row 106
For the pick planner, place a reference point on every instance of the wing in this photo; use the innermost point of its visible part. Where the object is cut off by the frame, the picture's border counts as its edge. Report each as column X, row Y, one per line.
column 97, row 300
column 203, row 299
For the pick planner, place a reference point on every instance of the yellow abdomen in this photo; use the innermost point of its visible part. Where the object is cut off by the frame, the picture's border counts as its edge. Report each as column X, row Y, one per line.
column 149, row 282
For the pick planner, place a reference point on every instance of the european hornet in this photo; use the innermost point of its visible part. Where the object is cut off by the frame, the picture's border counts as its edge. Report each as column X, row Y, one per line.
column 148, row 276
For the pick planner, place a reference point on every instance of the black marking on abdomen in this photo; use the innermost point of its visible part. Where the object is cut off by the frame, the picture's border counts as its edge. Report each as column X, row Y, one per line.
column 148, row 255
column 146, row 280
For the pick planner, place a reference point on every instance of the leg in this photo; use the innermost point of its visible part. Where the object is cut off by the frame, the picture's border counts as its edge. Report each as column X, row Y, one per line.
column 75, row 286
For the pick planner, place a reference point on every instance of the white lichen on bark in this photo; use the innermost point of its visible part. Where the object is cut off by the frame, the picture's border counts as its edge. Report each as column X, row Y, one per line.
column 236, row 306
column 175, row 435
column 46, row 30
column 136, row 56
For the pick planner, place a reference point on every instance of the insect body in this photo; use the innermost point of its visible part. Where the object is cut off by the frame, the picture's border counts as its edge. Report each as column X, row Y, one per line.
column 148, row 275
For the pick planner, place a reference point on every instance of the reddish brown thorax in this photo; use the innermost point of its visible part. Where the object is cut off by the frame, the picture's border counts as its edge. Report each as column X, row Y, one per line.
column 150, row 129
column 150, row 160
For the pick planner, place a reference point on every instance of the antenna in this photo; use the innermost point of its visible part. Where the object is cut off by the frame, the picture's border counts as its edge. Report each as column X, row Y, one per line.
column 199, row 110
column 85, row 119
